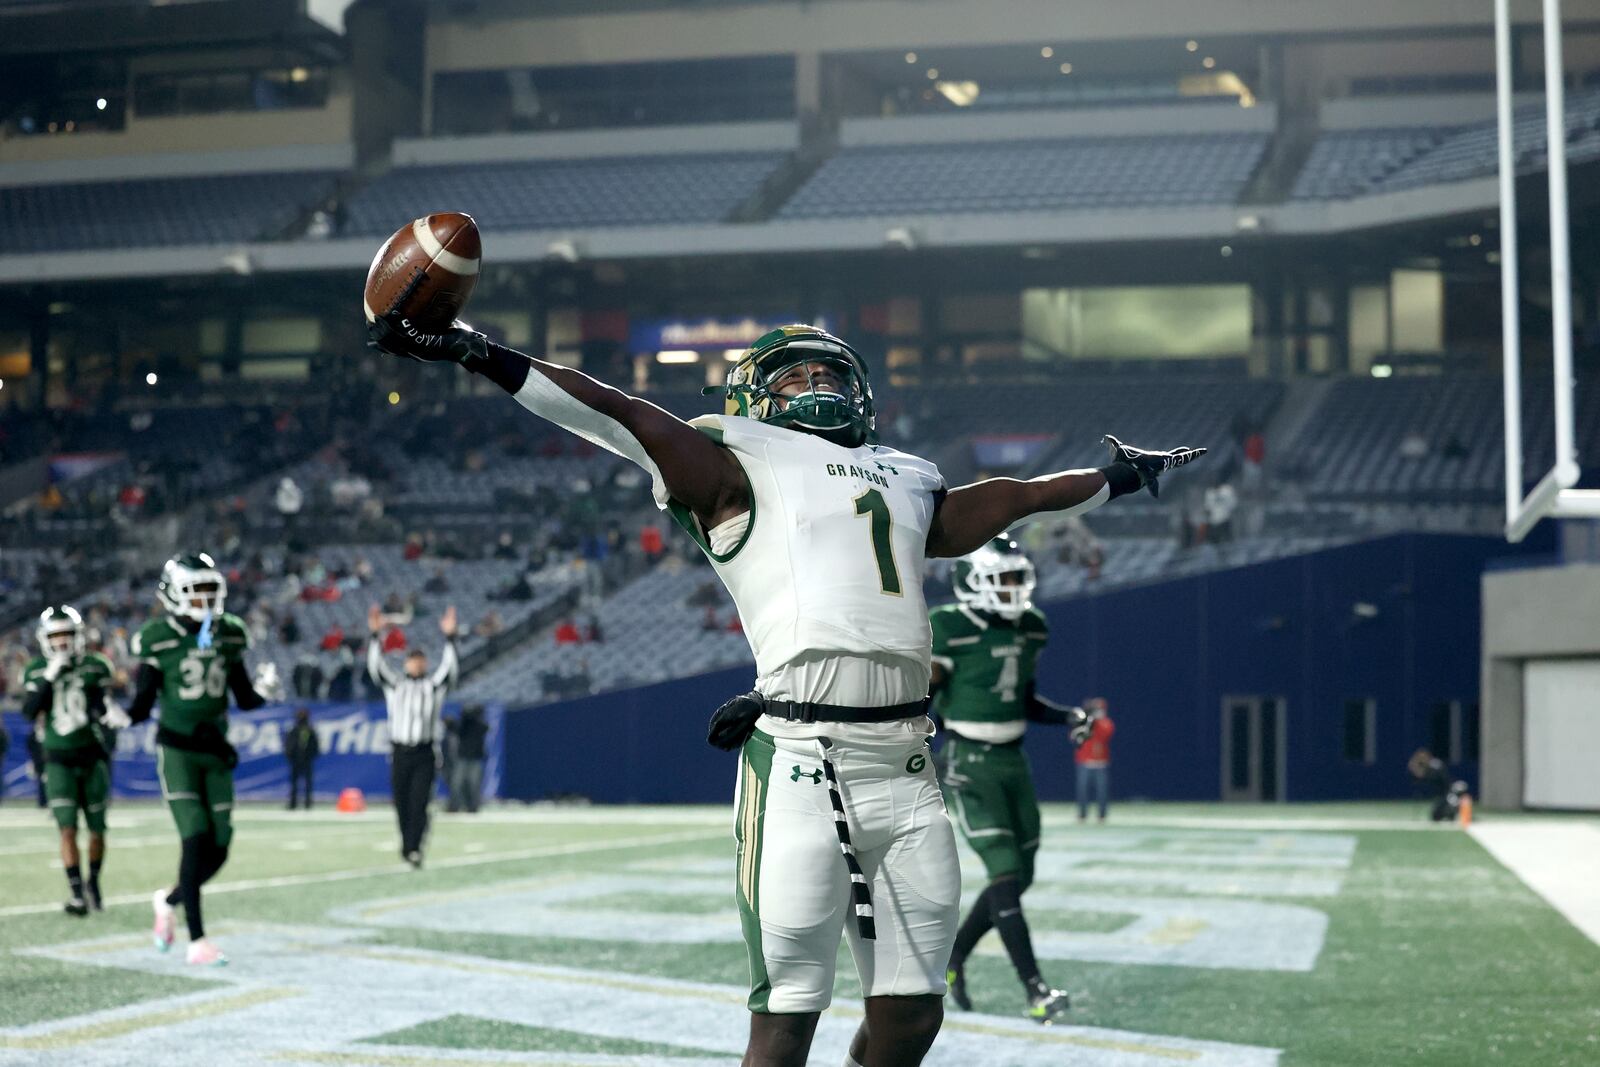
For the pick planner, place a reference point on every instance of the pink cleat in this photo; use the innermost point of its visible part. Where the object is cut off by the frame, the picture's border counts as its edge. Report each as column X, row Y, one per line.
column 166, row 921
column 203, row 953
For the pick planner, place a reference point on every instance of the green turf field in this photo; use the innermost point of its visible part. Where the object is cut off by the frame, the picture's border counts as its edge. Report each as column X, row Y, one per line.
column 1337, row 934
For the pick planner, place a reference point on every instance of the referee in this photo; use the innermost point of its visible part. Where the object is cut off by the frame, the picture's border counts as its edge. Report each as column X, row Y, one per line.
column 413, row 700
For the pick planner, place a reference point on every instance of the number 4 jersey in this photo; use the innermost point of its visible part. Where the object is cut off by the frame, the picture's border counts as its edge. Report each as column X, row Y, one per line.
column 990, row 664
column 827, row 564
column 194, row 680
column 66, row 724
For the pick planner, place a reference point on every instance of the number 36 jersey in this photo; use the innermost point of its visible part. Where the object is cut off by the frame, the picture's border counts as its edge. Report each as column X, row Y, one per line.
column 194, row 680
column 829, row 558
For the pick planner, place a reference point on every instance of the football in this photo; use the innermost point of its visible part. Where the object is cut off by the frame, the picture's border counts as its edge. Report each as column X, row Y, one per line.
column 426, row 271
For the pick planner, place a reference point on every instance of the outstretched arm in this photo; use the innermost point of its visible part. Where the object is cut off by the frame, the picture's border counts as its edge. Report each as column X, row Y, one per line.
column 684, row 464
column 969, row 516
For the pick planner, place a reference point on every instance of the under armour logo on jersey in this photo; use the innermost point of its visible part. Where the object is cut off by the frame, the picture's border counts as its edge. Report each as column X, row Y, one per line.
column 815, row 776
column 885, row 466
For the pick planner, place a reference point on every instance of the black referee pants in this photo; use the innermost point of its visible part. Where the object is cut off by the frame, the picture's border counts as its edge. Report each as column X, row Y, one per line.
column 411, row 779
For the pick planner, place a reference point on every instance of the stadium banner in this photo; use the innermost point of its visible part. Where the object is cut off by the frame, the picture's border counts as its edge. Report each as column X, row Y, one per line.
column 1008, row 451
column 354, row 739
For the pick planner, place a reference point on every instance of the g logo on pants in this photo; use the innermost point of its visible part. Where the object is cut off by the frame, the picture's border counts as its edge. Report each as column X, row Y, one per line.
column 916, row 763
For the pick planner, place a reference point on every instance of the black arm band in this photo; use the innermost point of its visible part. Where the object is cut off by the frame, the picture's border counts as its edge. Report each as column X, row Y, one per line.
column 244, row 694
column 505, row 367
column 1121, row 478
column 146, row 687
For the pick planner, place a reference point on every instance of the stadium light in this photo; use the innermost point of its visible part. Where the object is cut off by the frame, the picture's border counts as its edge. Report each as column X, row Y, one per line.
column 1208, row 62
column 1382, row 370
column 678, row 355
column 394, row 398
column 1047, row 51
column 1066, row 68
column 732, row 355
column 150, row 379
column 911, row 57
column 100, row 104
column 933, row 74
column 1193, row 46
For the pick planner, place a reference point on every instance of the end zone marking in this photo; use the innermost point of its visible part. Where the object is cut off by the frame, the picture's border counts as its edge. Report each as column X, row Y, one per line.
column 100, row 1031
column 1178, row 932
column 1557, row 859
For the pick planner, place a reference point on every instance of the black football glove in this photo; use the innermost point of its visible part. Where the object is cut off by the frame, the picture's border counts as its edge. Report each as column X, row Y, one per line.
column 733, row 723
column 1149, row 466
column 399, row 336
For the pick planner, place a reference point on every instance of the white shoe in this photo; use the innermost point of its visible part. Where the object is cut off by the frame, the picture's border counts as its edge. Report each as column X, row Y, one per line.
column 166, row 920
column 203, row 953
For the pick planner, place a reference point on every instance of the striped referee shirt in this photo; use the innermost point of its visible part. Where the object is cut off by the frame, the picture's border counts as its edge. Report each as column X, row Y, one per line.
column 414, row 703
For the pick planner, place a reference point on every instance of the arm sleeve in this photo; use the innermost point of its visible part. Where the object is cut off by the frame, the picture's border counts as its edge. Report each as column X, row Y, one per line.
column 1044, row 710
column 449, row 663
column 549, row 401
column 244, row 693
column 146, row 688
column 95, row 698
column 381, row 672
column 37, row 702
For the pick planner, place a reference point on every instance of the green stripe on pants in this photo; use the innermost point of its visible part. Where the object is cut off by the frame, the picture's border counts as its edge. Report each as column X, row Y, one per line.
column 755, row 768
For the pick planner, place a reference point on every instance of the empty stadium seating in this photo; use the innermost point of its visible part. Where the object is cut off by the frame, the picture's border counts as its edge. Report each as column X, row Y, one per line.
column 557, row 194
column 213, row 210
column 1345, row 163
column 1030, row 175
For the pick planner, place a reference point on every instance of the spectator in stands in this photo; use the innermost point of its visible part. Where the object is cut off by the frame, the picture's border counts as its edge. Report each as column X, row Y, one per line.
column 567, row 633
column 300, row 748
column 413, row 547
column 1413, row 445
column 1094, row 759
column 341, row 686
column 592, row 631
column 467, row 735
column 1220, row 502
column 650, row 541
column 288, row 499
column 491, row 625
column 394, row 640
column 709, row 622
column 504, row 547
column 436, row 582
column 307, row 677
column 332, row 638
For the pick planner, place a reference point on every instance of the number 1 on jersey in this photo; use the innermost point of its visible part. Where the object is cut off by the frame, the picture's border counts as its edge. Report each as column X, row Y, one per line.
column 872, row 503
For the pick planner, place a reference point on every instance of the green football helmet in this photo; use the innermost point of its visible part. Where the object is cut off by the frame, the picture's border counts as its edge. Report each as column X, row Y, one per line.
column 997, row 579
column 844, row 418
column 60, row 631
column 191, row 587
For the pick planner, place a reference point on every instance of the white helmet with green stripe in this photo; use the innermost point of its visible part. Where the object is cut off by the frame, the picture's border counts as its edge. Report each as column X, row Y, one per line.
column 60, row 631
column 191, row 587
column 997, row 579
column 840, row 411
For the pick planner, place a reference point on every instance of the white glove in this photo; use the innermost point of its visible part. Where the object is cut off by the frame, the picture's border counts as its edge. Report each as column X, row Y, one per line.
column 53, row 668
column 267, row 682
column 115, row 717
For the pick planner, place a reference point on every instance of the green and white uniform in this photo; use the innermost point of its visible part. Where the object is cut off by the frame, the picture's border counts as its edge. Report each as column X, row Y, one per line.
column 989, row 665
column 192, row 757
column 75, row 775
column 826, row 571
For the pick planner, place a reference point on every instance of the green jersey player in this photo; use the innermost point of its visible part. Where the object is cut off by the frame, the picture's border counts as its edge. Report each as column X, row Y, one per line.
column 190, row 659
column 985, row 650
column 820, row 534
column 67, row 687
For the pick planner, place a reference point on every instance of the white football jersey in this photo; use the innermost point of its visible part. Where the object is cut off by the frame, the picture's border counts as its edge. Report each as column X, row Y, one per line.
column 828, row 560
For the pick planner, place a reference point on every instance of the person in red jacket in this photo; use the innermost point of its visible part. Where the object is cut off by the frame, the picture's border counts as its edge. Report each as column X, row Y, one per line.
column 1094, row 759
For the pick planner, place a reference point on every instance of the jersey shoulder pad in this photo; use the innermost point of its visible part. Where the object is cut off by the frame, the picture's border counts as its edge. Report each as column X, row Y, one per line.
column 710, row 425
column 99, row 663
column 1035, row 621
column 36, row 665
column 925, row 469
column 948, row 620
column 231, row 628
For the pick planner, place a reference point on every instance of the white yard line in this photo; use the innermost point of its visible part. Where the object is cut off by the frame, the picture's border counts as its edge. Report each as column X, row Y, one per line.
column 397, row 868
column 1559, row 860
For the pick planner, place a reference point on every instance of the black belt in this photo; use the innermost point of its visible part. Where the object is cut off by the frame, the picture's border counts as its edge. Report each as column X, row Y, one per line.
column 207, row 740
column 807, row 712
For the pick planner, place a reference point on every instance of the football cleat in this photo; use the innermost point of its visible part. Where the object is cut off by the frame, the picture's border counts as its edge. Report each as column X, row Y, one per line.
column 1045, row 1005
column 415, row 859
column 166, row 921
column 956, row 978
column 203, row 953
column 76, row 906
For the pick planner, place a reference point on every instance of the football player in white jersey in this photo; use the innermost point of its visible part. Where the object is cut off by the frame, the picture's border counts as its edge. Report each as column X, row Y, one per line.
column 820, row 534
